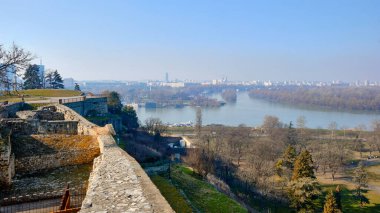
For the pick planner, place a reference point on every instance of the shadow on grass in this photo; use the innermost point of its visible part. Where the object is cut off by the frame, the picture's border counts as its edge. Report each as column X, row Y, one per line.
column 350, row 202
column 201, row 194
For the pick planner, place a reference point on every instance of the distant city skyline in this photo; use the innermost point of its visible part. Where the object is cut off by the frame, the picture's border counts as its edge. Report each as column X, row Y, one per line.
column 199, row 40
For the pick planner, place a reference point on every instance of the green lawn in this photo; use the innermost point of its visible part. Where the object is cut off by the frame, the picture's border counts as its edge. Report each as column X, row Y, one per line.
column 202, row 195
column 172, row 194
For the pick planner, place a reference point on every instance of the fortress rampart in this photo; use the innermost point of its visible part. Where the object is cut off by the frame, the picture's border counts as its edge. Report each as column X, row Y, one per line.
column 117, row 182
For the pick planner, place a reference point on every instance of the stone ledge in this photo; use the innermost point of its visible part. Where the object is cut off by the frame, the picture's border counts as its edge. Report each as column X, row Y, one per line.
column 119, row 184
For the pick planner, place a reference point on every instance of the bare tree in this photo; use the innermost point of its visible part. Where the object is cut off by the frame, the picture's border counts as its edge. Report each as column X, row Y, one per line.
column 301, row 122
column 332, row 127
column 359, row 146
column 360, row 179
column 198, row 122
column 11, row 62
column 301, row 127
column 155, row 126
column 335, row 159
column 236, row 142
column 376, row 135
column 261, row 164
column 271, row 126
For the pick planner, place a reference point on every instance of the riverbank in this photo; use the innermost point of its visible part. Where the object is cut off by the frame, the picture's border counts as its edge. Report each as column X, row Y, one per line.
column 251, row 112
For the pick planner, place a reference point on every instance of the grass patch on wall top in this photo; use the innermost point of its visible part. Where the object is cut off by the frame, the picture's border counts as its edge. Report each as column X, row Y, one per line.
column 50, row 92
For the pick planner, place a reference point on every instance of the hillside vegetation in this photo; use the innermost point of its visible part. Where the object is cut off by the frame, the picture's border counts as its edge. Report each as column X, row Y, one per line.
column 185, row 185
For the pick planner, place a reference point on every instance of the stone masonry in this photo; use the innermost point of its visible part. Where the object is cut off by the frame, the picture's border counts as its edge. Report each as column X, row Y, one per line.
column 7, row 161
column 117, row 182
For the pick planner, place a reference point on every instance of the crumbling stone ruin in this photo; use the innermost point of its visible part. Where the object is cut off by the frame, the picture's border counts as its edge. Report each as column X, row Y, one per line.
column 7, row 159
column 41, row 139
column 43, row 121
column 117, row 182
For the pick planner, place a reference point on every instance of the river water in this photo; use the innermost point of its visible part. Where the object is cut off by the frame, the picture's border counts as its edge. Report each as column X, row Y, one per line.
column 251, row 112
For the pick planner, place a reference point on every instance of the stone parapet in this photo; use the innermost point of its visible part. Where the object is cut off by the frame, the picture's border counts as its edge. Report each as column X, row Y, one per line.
column 84, row 126
column 88, row 105
column 117, row 182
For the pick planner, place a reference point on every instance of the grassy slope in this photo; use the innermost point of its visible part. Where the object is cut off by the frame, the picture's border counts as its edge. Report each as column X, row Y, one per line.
column 172, row 194
column 202, row 195
column 185, row 190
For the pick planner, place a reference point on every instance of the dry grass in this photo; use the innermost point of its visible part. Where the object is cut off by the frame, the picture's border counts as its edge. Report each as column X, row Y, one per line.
column 24, row 146
column 50, row 92
column 374, row 175
column 38, row 94
column 68, row 141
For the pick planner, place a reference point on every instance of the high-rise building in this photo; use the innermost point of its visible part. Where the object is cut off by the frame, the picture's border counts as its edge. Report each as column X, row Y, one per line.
column 11, row 79
column 166, row 77
column 41, row 73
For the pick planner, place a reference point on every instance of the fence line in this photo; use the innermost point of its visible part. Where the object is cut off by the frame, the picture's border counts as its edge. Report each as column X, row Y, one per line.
column 43, row 202
column 70, row 100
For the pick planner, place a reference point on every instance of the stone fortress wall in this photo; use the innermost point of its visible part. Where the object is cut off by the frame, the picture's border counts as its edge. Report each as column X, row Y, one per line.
column 7, row 161
column 87, row 104
column 33, row 144
column 10, row 109
column 34, row 163
column 117, row 182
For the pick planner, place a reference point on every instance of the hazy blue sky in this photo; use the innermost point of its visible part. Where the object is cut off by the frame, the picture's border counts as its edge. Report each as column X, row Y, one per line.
column 243, row 40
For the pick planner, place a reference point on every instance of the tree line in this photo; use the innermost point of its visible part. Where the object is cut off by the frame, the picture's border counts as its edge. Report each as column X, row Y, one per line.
column 279, row 162
column 15, row 62
column 343, row 98
column 33, row 80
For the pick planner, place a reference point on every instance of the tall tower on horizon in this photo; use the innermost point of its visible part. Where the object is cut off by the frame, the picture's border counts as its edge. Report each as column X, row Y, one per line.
column 166, row 77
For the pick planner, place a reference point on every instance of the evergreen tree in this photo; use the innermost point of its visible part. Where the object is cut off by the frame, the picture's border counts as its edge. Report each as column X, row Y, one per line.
column 57, row 82
column 289, row 157
column 338, row 198
column 129, row 117
column 331, row 205
column 291, row 137
column 48, row 79
column 287, row 161
column 304, row 188
column 31, row 78
column 198, row 122
column 361, row 181
column 77, row 88
column 302, row 194
column 303, row 166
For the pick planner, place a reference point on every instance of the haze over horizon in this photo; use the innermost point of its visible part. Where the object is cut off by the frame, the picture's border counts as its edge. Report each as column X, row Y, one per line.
column 242, row 40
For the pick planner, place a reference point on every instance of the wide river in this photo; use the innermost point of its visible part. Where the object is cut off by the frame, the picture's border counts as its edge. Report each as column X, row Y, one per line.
column 251, row 112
